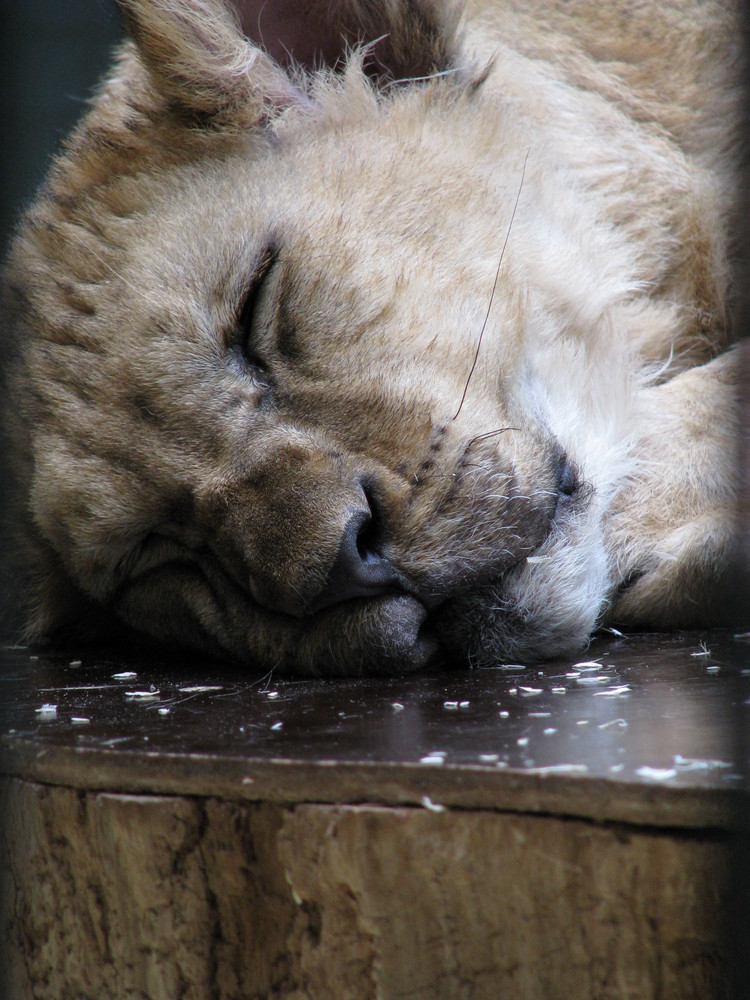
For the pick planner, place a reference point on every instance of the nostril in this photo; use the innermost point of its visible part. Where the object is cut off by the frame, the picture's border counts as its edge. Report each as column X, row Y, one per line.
column 365, row 543
column 358, row 558
column 358, row 570
column 567, row 480
column 369, row 531
column 359, row 536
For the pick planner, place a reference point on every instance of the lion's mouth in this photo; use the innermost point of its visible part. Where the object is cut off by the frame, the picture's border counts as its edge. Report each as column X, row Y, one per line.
column 382, row 607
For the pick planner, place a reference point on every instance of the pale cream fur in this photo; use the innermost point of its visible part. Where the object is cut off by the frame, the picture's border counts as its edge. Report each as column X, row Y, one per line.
column 580, row 155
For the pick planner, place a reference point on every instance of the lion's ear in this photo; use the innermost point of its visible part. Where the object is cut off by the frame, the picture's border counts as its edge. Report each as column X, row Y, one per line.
column 203, row 65
column 407, row 38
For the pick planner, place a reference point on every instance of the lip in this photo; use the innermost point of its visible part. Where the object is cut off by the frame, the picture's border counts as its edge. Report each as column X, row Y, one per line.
column 428, row 649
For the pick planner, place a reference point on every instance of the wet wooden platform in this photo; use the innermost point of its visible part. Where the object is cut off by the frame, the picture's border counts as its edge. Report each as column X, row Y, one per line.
column 177, row 828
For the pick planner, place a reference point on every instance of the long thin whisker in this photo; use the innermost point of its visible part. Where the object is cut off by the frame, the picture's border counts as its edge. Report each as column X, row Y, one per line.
column 492, row 296
column 489, row 434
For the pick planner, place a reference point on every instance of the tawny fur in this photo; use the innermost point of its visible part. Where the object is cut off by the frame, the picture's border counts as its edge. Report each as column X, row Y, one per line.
column 172, row 478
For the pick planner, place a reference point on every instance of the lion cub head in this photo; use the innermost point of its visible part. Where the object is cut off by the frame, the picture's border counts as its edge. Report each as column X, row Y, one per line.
column 263, row 400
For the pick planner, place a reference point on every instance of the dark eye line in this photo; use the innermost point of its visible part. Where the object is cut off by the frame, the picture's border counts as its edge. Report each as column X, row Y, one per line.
column 246, row 308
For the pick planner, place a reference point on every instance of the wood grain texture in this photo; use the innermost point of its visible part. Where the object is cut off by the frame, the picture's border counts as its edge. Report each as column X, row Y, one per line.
column 151, row 897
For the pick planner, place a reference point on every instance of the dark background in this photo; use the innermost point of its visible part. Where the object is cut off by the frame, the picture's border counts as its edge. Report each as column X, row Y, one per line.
column 52, row 52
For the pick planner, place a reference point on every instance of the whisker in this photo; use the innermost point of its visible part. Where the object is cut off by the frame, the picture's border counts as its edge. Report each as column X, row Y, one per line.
column 488, row 434
column 494, row 287
column 419, row 79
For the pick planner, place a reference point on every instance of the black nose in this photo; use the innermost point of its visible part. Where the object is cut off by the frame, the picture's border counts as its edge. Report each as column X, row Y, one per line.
column 567, row 478
column 358, row 570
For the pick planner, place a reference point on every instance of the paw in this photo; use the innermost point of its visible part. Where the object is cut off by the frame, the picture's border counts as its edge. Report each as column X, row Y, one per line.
column 672, row 529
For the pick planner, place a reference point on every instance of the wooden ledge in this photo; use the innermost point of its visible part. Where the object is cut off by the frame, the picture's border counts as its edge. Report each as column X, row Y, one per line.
column 641, row 730
column 538, row 832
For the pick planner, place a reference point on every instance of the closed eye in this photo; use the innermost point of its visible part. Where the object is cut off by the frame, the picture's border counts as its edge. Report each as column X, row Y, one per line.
column 247, row 306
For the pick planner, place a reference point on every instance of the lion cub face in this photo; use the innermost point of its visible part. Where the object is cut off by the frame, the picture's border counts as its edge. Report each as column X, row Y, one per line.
column 272, row 406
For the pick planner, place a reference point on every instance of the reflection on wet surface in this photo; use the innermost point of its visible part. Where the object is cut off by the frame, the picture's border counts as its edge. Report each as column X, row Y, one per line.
column 645, row 709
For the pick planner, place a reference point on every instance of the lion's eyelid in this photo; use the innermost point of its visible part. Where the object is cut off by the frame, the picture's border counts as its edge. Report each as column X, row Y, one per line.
column 245, row 311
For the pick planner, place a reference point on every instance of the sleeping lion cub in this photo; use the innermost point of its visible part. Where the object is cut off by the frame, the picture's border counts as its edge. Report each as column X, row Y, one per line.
column 353, row 337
